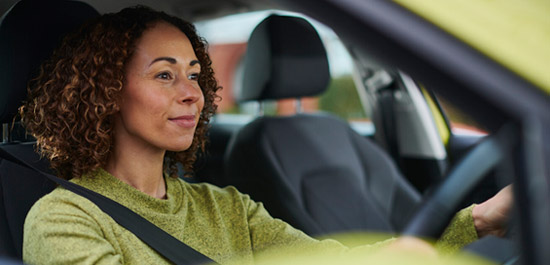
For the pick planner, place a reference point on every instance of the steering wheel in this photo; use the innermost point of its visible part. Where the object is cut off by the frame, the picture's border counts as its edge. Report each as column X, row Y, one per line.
column 437, row 210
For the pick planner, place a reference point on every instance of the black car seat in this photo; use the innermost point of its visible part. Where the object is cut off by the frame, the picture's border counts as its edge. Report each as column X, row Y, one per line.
column 29, row 31
column 311, row 170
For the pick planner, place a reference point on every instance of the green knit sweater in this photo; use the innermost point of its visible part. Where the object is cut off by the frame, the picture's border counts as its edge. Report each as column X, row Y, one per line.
column 223, row 224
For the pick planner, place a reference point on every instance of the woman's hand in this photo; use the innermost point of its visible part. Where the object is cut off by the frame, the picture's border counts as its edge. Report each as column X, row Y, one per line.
column 491, row 217
column 412, row 245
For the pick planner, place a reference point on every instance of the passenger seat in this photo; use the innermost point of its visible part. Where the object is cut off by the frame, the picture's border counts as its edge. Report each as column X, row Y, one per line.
column 311, row 170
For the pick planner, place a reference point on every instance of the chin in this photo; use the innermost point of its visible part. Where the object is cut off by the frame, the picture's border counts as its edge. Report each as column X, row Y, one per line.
column 176, row 144
column 178, row 147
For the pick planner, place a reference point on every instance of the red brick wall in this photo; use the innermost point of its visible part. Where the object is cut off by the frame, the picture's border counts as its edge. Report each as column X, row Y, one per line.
column 225, row 59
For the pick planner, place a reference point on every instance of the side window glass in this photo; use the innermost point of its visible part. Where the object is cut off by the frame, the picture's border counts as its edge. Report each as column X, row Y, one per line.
column 227, row 39
column 341, row 97
column 460, row 122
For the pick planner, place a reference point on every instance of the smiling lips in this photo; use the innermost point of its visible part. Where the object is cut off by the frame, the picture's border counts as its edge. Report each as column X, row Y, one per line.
column 185, row 121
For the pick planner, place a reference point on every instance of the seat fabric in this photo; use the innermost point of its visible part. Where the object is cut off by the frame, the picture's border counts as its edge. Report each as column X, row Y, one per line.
column 311, row 170
column 20, row 189
column 29, row 31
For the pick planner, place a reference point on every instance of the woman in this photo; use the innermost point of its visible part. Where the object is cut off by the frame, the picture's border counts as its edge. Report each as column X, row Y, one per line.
column 121, row 102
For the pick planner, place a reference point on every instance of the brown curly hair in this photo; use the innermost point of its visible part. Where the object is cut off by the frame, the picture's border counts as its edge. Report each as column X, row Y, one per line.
column 71, row 103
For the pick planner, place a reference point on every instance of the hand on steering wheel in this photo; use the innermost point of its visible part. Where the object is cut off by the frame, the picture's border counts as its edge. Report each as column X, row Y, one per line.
column 491, row 217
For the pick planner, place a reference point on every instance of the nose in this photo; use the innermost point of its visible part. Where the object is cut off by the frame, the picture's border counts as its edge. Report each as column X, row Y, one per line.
column 189, row 92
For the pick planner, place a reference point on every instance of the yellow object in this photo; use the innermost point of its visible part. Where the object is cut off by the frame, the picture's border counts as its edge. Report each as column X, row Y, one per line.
column 514, row 33
column 444, row 131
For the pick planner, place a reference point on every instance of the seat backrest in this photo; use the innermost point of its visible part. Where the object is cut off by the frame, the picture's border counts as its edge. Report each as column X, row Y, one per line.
column 311, row 170
column 29, row 32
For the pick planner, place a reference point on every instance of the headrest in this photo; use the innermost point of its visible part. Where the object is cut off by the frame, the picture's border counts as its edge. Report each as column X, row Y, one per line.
column 285, row 58
column 29, row 32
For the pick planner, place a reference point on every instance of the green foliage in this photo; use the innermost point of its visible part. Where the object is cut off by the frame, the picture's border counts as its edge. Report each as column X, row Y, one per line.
column 341, row 99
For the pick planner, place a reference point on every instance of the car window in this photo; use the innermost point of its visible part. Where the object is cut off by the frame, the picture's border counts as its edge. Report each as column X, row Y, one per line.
column 228, row 37
column 460, row 122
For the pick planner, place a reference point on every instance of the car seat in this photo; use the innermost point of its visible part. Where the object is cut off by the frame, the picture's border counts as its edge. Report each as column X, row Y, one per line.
column 311, row 170
column 29, row 32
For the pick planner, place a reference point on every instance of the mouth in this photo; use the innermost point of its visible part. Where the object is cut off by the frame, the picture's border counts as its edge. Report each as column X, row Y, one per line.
column 184, row 121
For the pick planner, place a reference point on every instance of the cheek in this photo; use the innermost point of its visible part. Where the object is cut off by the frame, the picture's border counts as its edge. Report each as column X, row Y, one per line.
column 143, row 109
column 153, row 104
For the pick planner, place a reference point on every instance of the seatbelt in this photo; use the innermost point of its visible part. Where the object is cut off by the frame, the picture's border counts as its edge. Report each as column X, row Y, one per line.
column 383, row 86
column 386, row 102
column 159, row 240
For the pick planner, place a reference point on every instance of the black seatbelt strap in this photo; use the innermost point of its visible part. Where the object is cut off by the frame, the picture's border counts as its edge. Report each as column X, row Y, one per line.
column 386, row 101
column 165, row 244
column 383, row 85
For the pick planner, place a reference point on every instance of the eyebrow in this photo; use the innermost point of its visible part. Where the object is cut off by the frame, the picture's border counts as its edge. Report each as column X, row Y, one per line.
column 168, row 59
column 172, row 60
column 194, row 62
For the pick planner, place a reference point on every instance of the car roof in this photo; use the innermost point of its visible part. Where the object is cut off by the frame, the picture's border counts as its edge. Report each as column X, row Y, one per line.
column 192, row 10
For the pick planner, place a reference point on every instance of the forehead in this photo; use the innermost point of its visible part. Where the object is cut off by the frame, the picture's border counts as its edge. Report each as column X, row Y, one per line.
column 163, row 37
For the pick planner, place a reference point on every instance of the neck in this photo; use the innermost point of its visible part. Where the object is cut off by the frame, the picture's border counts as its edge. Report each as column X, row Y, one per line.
column 141, row 168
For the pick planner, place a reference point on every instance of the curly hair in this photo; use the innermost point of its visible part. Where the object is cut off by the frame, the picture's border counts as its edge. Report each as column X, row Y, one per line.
column 71, row 104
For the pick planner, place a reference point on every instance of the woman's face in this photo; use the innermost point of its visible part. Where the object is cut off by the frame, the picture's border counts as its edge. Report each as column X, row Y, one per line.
column 161, row 98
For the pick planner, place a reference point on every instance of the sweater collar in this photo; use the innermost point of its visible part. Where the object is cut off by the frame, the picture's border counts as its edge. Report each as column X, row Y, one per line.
column 108, row 185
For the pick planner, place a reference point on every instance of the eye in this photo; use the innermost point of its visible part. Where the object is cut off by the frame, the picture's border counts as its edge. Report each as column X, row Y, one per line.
column 164, row 76
column 193, row 77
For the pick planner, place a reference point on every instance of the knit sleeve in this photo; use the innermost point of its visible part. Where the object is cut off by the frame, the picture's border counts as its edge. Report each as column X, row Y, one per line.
column 64, row 234
column 460, row 232
column 270, row 234
column 267, row 232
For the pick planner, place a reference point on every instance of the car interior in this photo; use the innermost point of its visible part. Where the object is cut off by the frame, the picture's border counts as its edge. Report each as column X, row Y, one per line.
column 45, row 24
column 291, row 163
column 312, row 170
